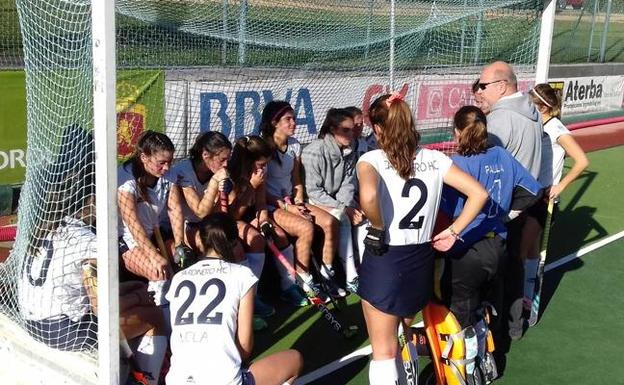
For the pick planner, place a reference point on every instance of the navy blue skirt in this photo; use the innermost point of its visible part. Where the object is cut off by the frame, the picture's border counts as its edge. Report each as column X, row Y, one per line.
column 400, row 282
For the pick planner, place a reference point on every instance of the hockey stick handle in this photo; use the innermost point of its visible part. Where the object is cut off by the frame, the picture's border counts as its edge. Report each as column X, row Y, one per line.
column 547, row 223
column 223, row 201
column 160, row 243
column 278, row 254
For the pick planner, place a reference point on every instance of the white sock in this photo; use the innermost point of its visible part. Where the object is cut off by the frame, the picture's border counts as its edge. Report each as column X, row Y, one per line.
column 307, row 280
column 383, row 372
column 345, row 250
column 256, row 262
column 149, row 356
column 159, row 288
column 286, row 280
column 530, row 273
column 327, row 271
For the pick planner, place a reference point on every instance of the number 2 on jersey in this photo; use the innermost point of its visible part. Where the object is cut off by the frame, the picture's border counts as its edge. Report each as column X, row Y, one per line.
column 203, row 317
column 406, row 222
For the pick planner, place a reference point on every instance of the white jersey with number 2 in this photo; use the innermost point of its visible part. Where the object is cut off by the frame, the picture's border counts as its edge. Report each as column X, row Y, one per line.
column 204, row 301
column 409, row 207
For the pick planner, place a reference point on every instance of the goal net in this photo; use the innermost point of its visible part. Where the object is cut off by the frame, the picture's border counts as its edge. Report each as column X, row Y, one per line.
column 189, row 66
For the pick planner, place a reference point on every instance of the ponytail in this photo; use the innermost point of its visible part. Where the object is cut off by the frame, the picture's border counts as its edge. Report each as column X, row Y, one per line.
column 471, row 123
column 218, row 232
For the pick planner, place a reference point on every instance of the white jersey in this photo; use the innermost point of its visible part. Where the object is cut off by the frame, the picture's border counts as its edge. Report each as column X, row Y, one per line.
column 204, row 301
column 147, row 212
column 184, row 175
column 555, row 129
column 409, row 207
column 279, row 174
column 51, row 282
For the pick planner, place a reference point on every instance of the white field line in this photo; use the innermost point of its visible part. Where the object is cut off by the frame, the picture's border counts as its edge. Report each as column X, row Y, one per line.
column 366, row 350
column 335, row 365
column 583, row 251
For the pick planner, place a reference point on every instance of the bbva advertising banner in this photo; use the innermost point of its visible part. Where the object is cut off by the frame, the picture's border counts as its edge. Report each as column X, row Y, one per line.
column 235, row 108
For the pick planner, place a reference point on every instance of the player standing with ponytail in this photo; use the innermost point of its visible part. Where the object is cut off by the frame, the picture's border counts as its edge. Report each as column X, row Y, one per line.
column 400, row 190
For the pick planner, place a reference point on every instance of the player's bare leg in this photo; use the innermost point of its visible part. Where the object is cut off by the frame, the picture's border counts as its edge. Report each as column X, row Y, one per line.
column 277, row 368
column 303, row 231
column 329, row 226
column 382, row 332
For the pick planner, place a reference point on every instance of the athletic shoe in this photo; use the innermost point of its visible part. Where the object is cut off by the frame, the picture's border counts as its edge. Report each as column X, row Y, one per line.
column 259, row 324
column 527, row 304
column 293, row 296
column 352, row 285
column 327, row 272
column 335, row 290
column 262, row 309
column 311, row 288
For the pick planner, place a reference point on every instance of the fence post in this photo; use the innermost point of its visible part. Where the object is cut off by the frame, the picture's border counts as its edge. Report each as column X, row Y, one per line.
column 242, row 32
column 224, row 31
column 605, row 32
column 369, row 26
column 392, row 37
column 593, row 28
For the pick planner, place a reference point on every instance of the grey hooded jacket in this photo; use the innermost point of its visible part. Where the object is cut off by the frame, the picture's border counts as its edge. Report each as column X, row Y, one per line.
column 515, row 124
column 329, row 173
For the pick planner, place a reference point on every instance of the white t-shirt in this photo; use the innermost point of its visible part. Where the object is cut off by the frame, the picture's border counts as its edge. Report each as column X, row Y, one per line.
column 185, row 176
column 279, row 174
column 555, row 129
column 204, row 301
column 51, row 283
column 147, row 212
column 409, row 208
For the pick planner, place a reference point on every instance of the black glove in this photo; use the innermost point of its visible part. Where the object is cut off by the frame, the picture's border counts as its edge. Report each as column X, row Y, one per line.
column 184, row 256
column 267, row 230
column 226, row 186
column 374, row 241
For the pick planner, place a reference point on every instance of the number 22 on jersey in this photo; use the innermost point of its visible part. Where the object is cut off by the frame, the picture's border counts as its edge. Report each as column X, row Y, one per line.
column 206, row 316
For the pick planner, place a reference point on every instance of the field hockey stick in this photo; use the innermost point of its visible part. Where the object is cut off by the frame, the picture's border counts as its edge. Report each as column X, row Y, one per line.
column 535, row 305
column 325, row 284
column 348, row 332
column 160, row 243
column 409, row 355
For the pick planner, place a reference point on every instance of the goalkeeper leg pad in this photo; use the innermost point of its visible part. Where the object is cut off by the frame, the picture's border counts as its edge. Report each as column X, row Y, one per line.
column 454, row 352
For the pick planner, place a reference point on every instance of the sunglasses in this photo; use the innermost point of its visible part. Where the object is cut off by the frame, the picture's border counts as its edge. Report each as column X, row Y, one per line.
column 344, row 130
column 483, row 86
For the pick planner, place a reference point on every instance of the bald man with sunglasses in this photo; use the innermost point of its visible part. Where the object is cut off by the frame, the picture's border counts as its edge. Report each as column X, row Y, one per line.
column 513, row 122
column 516, row 125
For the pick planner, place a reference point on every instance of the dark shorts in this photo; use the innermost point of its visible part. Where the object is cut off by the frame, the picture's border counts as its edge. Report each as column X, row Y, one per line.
column 473, row 277
column 539, row 211
column 65, row 334
column 400, row 282
column 248, row 378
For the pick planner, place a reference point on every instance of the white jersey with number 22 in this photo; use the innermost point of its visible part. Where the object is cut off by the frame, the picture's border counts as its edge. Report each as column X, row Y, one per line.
column 409, row 207
column 204, row 301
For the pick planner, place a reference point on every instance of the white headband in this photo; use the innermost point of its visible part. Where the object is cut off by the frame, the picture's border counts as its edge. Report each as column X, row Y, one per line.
column 540, row 97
